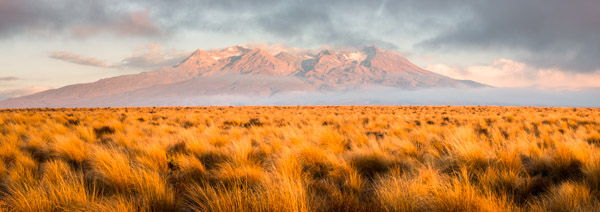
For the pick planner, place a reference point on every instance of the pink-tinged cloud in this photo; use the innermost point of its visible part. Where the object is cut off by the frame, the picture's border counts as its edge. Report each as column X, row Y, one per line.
column 78, row 59
column 508, row 73
column 275, row 48
column 137, row 23
column 131, row 24
column 144, row 57
column 152, row 56
column 9, row 78
column 14, row 93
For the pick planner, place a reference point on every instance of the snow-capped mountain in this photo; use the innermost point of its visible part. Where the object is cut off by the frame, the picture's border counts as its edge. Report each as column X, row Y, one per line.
column 241, row 71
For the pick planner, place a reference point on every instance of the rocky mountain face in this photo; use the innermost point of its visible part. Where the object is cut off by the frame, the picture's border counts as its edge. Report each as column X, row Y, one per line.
column 241, row 71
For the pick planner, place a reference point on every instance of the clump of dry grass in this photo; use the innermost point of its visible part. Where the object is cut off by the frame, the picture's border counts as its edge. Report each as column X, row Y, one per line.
column 372, row 164
column 58, row 189
column 568, row 196
column 112, row 170
column 300, row 159
column 70, row 149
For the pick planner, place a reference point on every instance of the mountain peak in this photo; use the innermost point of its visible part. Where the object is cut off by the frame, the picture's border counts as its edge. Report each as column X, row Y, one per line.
column 284, row 54
column 198, row 52
column 258, row 51
column 291, row 59
column 200, row 58
column 326, row 52
column 259, row 61
column 389, row 62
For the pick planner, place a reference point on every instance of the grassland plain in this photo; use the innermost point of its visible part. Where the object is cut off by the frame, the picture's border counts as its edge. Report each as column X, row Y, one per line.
column 300, row 159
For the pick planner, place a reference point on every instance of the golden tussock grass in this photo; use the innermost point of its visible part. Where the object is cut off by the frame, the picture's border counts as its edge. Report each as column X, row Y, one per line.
column 300, row 159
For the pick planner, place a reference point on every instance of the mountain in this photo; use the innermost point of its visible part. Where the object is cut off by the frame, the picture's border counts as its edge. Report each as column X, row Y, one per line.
column 240, row 71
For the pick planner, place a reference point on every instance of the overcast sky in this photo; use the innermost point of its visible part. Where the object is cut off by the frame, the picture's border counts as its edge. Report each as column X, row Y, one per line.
column 551, row 44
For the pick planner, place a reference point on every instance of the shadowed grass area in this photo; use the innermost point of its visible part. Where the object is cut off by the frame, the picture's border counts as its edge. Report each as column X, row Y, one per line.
column 300, row 159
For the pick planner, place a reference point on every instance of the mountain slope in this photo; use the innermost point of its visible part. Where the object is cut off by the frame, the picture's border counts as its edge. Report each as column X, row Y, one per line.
column 241, row 71
column 258, row 61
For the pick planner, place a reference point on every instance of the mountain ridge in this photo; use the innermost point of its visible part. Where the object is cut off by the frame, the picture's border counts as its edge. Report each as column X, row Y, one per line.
column 206, row 72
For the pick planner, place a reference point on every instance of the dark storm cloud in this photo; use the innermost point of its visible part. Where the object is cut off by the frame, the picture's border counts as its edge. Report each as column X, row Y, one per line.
column 545, row 33
column 80, row 18
column 322, row 22
column 552, row 33
column 298, row 22
column 351, row 23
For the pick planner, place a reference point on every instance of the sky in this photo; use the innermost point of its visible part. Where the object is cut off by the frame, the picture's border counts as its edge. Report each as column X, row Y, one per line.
column 542, row 44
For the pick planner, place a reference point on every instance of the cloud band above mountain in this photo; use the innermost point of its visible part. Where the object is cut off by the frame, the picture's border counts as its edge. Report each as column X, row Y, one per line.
column 149, row 56
column 8, row 78
column 78, row 59
column 543, row 33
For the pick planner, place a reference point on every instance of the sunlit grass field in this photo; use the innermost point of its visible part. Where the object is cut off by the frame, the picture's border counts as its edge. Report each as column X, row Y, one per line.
column 300, row 159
